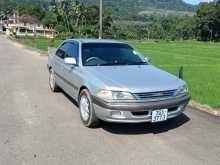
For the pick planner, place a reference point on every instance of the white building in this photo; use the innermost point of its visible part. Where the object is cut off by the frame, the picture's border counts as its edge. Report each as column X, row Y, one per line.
column 27, row 26
column 1, row 26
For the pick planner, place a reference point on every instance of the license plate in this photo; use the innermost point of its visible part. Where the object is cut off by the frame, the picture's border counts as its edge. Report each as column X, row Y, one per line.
column 159, row 115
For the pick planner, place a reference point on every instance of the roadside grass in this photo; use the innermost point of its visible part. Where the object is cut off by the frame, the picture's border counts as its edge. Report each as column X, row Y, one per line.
column 40, row 43
column 201, row 62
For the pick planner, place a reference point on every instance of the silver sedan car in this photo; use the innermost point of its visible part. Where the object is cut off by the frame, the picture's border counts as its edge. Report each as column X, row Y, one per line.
column 113, row 82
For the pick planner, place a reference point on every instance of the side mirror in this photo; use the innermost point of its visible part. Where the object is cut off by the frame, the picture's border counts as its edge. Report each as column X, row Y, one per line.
column 70, row 61
column 148, row 59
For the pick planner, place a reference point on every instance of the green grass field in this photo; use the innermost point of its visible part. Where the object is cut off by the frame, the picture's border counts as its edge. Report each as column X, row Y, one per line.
column 40, row 43
column 201, row 62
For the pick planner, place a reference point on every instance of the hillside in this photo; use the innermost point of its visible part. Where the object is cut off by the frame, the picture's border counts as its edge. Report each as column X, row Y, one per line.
column 126, row 8
column 143, row 4
column 121, row 9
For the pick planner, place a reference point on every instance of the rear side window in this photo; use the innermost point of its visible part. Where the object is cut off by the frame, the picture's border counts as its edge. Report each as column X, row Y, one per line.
column 60, row 53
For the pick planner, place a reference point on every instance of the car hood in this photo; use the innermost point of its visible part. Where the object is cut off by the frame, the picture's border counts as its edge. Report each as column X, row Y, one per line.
column 135, row 79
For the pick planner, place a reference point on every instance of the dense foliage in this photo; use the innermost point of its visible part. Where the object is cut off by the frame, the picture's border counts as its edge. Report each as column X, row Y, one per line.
column 76, row 18
column 157, row 27
column 7, row 6
column 122, row 18
column 208, row 21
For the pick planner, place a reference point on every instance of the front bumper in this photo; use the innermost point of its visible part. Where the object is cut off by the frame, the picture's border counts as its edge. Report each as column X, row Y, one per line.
column 137, row 112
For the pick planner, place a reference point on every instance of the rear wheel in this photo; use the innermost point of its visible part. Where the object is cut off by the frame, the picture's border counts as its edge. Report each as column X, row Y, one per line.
column 52, row 82
column 87, row 112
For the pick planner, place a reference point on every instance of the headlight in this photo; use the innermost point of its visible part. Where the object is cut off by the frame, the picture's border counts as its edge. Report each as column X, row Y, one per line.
column 183, row 90
column 114, row 95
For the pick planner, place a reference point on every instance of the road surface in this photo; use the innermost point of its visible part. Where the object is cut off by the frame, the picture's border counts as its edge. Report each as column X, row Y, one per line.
column 38, row 127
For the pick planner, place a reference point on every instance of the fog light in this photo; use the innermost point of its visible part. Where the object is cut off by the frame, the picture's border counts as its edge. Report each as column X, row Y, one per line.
column 118, row 115
column 181, row 107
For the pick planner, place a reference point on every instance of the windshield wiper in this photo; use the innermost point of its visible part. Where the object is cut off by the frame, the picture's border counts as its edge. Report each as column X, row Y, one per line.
column 113, row 64
column 122, row 63
column 139, row 63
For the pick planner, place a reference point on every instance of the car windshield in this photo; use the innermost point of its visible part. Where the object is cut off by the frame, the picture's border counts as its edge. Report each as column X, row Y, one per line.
column 109, row 54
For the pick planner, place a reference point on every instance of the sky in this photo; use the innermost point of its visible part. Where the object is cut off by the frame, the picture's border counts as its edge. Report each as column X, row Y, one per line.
column 196, row 1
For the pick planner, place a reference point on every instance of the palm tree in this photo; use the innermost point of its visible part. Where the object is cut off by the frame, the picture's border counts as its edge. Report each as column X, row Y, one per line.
column 64, row 10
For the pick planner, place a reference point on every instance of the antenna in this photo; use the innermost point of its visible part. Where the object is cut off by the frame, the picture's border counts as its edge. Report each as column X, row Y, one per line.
column 181, row 73
column 100, row 19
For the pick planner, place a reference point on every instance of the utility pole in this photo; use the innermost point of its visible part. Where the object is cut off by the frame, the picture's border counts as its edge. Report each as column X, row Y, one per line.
column 34, row 44
column 100, row 19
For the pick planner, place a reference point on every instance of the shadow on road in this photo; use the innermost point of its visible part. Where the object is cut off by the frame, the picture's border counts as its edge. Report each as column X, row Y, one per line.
column 146, row 128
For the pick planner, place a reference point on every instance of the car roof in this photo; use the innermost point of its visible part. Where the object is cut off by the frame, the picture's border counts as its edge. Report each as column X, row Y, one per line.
column 95, row 41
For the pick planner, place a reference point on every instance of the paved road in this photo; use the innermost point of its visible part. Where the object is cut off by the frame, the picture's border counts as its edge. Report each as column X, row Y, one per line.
column 38, row 127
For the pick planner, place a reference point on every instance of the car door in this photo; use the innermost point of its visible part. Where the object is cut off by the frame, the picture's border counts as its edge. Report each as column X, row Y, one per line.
column 58, row 65
column 72, row 72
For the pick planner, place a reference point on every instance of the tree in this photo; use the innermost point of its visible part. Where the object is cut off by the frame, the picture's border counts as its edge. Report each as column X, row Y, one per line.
column 32, row 10
column 217, row 23
column 206, row 20
column 74, row 17
column 50, row 20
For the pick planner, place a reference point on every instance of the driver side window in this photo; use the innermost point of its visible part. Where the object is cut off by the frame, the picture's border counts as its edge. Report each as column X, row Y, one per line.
column 72, row 50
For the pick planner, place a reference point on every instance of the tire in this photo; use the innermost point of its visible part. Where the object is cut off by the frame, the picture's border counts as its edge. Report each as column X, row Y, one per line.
column 52, row 82
column 87, row 113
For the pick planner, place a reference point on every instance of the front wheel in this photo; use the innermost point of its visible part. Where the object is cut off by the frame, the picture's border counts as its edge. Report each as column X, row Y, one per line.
column 87, row 113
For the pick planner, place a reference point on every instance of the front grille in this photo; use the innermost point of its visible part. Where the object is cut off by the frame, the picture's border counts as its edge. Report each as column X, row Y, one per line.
column 155, row 95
